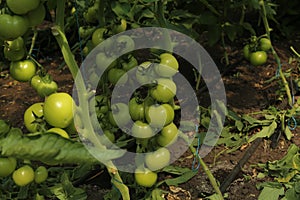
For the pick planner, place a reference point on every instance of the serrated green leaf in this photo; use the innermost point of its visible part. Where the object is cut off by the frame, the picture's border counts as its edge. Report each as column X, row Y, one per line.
column 51, row 149
column 266, row 131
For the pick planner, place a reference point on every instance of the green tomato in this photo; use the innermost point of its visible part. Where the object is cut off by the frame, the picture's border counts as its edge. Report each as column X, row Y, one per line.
column 145, row 73
column 97, row 36
column 168, row 135
column 59, row 131
column 116, row 75
column 159, row 116
column 15, row 45
column 36, row 17
column 131, row 62
column 35, row 81
column 168, row 65
column 46, row 88
column 246, row 52
column 22, row 7
column 30, row 116
column 13, row 26
column 58, row 109
column 12, row 55
column 125, row 44
column 265, row 44
column 86, row 31
column 158, row 159
column 23, row 176
column 120, row 27
column 22, row 70
column 164, row 91
column 104, row 62
column 40, row 174
column 136, row 109
column 145, row 177
column 258, row 58
column 141, row 130
column 119, row 114
column 7, row 166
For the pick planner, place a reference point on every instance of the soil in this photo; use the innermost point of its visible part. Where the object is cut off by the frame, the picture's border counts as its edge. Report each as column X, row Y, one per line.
column 246, row 90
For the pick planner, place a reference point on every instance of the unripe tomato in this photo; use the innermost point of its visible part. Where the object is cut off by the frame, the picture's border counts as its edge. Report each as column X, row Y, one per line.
column 258, row 58
column 145, row 177
column 116, row 75
column 141, row 130
column 12, row 55
column 35, row 110
column 22, row 70
column 7, row 166
column 97, row 36
column 168, row 135
column 246, row 51
column 159, row 116
column 158, row 159
column 164, row 91
column 15, row 45
column 119, row 114
column 23, row 176
column 136, row 109
column 12, row 26
column 40, row 174
column 36, row 17
column 21, row 7
column 265, row 44
column 58, row 109
column 120, row 27
column 145, row 73
column 168, row 65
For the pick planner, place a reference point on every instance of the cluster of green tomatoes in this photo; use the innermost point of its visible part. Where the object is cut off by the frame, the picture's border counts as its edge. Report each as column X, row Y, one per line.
column 148, row 115
column 256, row 50
column 21, row 173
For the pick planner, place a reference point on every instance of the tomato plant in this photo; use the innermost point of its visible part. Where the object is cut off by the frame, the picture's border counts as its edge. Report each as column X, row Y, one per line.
column 159, row 116
column 23, row 175
column 168, row 65
column 246, row 52
column 158, row 159
column 7, row 166
column 12, row 26
column 44, row 85
column 31, row 116
column 58, row 109
column 258, row 58
column 40, row 174
column 22, row 70
column 167, row 135
column 144, row 177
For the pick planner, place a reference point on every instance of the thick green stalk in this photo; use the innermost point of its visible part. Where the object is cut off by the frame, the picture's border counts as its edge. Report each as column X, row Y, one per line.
column 33, row 40
column 69, row 58
column 101, row 17
column 277, row 59
column 210, row 176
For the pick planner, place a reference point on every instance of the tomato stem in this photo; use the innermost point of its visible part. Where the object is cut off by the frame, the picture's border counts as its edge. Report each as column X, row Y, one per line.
column 33, row 40
column 277, row 59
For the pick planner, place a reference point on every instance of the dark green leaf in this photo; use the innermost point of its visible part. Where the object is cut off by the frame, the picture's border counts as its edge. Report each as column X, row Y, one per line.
column 181, row 179
column 271, row 193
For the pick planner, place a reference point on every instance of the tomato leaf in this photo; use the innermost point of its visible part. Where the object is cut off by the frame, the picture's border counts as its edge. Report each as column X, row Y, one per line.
column 266, row 131
column 181, row 179
column 271, row 193
column 51, row 149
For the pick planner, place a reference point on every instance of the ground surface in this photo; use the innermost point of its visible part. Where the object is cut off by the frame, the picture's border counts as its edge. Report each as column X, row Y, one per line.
column 246, row 92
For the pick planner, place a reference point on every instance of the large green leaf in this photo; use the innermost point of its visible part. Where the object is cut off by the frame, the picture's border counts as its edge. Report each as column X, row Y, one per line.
column 266, row 131
column 50, row 148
